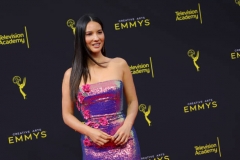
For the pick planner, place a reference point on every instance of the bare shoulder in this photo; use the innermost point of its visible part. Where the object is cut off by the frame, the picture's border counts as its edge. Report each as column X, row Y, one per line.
column 67, row 73
column 119, row 62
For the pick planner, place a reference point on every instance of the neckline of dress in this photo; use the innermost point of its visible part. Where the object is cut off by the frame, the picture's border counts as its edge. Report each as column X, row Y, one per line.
column 102, row 82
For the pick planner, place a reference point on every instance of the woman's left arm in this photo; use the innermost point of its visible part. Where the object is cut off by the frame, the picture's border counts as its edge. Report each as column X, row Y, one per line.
column 123, row 132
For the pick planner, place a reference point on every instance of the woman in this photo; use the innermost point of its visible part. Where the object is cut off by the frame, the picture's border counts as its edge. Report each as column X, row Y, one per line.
column 95, row 83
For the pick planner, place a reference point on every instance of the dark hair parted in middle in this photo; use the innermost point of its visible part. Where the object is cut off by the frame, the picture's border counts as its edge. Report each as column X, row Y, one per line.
column 81, row 54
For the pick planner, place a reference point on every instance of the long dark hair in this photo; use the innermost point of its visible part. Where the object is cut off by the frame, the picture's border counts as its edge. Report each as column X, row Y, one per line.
column 81, row 54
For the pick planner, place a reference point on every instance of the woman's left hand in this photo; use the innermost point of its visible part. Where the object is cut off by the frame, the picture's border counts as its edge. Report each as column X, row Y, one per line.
column 122, row 135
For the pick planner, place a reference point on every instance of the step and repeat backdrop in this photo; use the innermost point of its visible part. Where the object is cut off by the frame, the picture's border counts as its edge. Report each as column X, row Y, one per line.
column 185, row 61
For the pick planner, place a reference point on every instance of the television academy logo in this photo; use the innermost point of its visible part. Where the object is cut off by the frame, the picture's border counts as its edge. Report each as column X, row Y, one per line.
column 71, row 24
column 17, row 80
column 189, row 14
column 208, row 148
column 237, row 2
column 15, row 38
column 192, row 54
column 142, row 68
column 146, row 111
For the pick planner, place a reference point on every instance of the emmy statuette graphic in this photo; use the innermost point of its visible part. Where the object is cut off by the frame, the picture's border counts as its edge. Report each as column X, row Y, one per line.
column 191, row 53
column 143, row 108
column 17, row 80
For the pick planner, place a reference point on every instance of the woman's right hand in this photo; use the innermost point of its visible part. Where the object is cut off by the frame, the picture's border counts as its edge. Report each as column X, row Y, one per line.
column 99, row 137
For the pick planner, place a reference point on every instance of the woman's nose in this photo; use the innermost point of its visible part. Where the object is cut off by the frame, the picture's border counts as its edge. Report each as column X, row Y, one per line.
column 95, row 38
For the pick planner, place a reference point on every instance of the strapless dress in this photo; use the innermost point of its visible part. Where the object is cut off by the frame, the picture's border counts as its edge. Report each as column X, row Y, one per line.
column 101, row 105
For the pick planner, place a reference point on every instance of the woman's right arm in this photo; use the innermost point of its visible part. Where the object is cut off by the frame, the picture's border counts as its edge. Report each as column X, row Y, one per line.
column 97, row 136
column 68, row 107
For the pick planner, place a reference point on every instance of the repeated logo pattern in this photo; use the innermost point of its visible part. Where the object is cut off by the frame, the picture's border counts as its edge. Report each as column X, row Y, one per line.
column 192, row 54
column 17, row 80
column 71, row 24
column 15, row 38
column 146, row 111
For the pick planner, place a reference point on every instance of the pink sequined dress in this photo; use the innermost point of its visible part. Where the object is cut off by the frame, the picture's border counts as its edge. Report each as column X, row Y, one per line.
column 101, row 106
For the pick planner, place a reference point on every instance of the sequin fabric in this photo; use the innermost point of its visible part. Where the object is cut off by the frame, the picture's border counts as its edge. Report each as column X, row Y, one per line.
column 101, row 106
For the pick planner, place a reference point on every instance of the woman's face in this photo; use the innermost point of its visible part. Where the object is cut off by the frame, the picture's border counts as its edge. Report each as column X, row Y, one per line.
column 94, row 37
